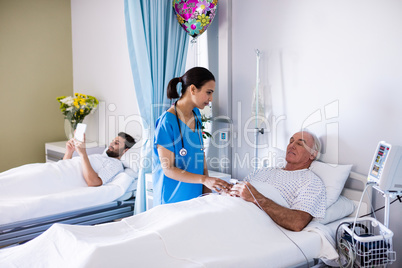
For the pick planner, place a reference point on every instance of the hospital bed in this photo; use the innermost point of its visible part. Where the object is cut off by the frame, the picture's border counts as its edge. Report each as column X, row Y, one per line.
column 87, row 206
column 214, row 231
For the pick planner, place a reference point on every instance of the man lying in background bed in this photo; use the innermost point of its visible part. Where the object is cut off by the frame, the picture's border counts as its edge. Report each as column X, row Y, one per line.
column 100, row 169
column 95, row 169
column 300, row 187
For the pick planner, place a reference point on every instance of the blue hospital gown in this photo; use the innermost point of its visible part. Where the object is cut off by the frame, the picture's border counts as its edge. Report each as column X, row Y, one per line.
column 167, row 134
column 302, row 189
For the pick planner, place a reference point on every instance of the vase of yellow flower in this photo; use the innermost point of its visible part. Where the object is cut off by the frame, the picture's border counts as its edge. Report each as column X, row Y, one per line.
column 75, row 109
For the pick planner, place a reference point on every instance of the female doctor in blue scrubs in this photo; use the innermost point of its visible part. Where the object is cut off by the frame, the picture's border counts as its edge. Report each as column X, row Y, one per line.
column 179, row 168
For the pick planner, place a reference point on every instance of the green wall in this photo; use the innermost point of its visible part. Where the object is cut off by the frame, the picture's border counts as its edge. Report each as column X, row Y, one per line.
column 35, row 68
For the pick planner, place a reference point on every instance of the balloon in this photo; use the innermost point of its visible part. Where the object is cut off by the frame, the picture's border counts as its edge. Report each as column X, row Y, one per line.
column 195, row 15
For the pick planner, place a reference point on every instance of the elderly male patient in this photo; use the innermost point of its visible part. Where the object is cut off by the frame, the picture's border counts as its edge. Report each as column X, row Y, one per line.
column 83, row 170
column 100, row 169
column 300, row 187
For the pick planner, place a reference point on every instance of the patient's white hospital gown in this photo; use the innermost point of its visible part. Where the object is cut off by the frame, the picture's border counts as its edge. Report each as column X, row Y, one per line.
column 46, row 178
column 302, row 189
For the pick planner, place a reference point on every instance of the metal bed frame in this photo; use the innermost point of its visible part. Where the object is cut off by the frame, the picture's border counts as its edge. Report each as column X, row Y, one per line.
column 22, row 231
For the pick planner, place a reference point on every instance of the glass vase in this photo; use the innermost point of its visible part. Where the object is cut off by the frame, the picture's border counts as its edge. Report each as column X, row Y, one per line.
column 69, row 128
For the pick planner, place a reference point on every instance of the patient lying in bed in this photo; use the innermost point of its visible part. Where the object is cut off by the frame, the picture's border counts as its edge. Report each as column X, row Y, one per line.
column 94, row 170
column 303, row 191
column 38, row 190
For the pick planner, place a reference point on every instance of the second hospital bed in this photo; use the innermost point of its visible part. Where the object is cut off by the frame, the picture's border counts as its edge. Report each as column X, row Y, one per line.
column 24, row 218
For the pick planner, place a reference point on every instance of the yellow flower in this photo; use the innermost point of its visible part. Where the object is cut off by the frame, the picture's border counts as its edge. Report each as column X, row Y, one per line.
column 203, row 19
column 76, row 108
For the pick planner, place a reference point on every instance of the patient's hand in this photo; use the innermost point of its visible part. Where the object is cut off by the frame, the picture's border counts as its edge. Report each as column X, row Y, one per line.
column 80, row 146
column 245, row 190
column 70, row 148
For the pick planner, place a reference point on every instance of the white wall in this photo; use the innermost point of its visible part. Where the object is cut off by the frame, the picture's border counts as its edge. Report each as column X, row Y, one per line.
column 319, row 52
column 35, row 69
column 334, row 65
column 101, row 67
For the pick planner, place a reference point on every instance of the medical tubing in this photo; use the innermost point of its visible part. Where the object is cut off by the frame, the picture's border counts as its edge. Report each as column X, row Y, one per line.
column 371, row 205
column 349, row 251
column 372, row 211
column 258, row 204
column 380, row 208
column 358, row 209
column 178, row 123
column 197, row 127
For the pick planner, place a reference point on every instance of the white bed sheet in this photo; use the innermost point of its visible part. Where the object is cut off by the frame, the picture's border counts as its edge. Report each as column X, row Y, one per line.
column 21, row 200
column 212, row 231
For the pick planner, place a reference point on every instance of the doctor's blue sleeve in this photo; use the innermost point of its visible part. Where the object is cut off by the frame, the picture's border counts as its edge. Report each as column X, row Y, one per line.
column 164, row 134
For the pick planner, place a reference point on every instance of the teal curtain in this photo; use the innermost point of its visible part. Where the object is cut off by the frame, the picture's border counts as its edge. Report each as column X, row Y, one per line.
column 158, row 50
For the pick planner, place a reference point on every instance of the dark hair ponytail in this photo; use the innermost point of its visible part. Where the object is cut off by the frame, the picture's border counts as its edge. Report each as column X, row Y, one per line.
column 172, row 88
column 196, row 76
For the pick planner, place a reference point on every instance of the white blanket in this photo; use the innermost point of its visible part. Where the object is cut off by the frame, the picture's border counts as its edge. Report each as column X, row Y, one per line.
column 211, row 231
column 38, row 190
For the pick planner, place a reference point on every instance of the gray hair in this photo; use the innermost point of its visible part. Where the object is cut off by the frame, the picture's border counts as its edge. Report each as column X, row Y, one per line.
column 316, row 145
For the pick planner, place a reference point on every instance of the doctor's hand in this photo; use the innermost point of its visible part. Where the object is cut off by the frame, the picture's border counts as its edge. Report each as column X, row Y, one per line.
column 217, row 185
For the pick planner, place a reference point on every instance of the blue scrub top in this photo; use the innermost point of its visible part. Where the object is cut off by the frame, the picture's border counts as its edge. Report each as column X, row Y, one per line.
column 167, row 134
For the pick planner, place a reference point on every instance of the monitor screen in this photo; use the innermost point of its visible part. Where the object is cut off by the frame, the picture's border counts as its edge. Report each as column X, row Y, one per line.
column 379, row 161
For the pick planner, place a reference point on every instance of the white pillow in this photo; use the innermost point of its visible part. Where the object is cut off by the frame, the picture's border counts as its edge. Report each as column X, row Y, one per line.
column 131, row 159
column 341, row 208
column 333, row 176
column 130, row 172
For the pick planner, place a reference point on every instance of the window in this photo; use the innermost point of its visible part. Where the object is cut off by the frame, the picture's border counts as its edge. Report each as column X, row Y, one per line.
column 198, row 52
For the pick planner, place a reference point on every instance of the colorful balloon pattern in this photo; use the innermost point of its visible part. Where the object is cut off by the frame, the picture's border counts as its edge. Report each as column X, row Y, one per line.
column 195, row 15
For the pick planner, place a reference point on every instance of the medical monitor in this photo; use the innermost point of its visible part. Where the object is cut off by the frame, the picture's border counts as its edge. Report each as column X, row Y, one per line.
column 386, row 167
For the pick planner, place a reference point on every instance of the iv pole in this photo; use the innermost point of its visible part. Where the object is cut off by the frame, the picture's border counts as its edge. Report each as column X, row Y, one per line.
column 387, row 195
column 257, row 130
